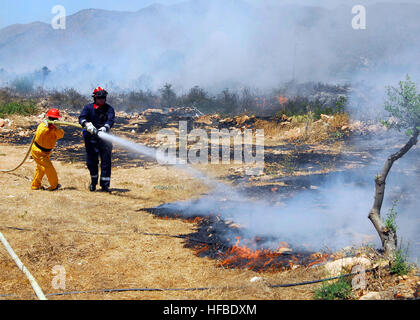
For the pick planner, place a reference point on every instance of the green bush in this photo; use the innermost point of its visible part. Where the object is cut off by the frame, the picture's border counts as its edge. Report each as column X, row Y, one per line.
column 339, row 290
column 23, row 108
column 400, row 266
column 390, row 221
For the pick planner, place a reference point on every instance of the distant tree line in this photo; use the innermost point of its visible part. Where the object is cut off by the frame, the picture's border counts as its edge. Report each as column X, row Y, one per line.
column 290, row 99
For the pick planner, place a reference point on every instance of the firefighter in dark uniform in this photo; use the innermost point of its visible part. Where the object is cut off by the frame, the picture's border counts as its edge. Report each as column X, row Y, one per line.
column 98, row 117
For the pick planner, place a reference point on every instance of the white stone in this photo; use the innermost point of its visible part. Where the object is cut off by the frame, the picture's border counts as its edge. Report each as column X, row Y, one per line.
column 335, row 267
column 371, row 296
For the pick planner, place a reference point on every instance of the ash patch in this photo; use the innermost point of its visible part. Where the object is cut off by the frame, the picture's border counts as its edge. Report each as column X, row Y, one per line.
column 213, row 238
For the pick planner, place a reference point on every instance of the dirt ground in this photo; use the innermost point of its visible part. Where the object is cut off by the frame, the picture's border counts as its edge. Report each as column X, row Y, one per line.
column 108, row 241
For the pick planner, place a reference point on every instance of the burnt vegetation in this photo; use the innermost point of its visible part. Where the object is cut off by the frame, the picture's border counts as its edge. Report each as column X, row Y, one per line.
column 290, row 99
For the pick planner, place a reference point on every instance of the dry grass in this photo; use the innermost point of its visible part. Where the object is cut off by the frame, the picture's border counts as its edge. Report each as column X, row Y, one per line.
column 98, row 239
column 304, row 129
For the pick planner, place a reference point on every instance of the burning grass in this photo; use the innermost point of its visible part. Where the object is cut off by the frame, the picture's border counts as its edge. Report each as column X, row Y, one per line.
column 213, row 239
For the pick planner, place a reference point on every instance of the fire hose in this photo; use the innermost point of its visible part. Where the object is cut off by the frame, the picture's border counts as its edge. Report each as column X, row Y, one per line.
column 21, row 266
column 59, row 123
column 285, row 285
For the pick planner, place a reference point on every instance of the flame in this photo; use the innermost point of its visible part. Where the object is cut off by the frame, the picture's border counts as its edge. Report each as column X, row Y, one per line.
column 196, row 219
column 321, row 258
column 240, row 255
column 282, row 100
column 174, row 217
column 254, row 259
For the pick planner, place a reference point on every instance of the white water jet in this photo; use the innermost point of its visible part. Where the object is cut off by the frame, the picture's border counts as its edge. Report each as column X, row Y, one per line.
column 219, row 187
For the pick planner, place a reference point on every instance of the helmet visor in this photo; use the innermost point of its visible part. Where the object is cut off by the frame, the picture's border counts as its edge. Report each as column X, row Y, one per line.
column 100, row 94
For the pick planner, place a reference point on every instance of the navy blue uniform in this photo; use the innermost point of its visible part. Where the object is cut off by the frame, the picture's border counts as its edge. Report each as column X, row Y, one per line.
column 95, row 147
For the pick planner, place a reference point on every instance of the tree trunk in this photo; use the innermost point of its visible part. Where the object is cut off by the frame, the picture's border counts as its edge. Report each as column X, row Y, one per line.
column 388, row 236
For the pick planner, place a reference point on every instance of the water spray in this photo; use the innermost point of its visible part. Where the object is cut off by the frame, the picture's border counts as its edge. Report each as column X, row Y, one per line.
column 152, row 153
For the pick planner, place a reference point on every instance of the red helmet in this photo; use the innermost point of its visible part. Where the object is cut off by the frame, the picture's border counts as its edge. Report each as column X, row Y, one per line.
column 99, row 92
column 53, row 113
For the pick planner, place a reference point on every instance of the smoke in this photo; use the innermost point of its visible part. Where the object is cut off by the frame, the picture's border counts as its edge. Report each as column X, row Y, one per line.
column 216, row 44
column 261, row 44
column 331, row 216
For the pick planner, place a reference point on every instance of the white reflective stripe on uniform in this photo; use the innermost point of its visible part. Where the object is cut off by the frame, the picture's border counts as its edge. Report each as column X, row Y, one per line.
column 105, row 179
column 94, row 177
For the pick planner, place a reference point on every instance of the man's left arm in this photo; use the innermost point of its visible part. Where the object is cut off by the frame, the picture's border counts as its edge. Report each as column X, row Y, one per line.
column 110, row 119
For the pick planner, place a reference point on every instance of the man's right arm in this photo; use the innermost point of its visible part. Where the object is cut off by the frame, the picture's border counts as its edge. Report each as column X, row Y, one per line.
column 83, row 116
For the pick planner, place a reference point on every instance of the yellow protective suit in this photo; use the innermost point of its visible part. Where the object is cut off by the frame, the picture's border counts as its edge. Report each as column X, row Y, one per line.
column 46, row 137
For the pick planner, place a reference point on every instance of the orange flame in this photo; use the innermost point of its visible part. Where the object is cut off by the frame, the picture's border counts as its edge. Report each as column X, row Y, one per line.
column 245, row 257
column 282, row 100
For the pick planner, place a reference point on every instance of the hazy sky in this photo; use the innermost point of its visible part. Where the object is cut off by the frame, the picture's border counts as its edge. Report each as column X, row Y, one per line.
column 25, row 11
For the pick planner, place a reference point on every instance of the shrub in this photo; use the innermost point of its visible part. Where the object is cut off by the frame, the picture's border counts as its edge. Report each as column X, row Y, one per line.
column 339, row 290
column 390, row 221
column 400, row 265
column 23, row 108
column 68, row 98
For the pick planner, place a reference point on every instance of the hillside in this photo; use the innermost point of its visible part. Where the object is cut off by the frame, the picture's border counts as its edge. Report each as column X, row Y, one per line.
column 214, row 44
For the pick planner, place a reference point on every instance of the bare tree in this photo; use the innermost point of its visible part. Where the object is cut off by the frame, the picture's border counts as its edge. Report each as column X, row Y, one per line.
column 403, row 104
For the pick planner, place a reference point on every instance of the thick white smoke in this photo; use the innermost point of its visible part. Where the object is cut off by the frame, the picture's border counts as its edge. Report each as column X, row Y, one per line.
column 216, row 44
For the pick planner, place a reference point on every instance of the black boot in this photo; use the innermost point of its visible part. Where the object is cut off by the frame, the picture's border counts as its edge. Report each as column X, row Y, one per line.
column 93, row 183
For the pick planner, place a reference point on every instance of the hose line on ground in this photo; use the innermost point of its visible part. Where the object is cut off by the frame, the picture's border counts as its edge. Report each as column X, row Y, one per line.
column 207, row 288
column 198, row 288
column 21, row 266
column 59, row 123
column 183, row 289
column 24, row 159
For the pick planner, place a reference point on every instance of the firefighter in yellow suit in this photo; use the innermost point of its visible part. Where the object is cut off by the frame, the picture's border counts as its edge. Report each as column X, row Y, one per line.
column 46, row 137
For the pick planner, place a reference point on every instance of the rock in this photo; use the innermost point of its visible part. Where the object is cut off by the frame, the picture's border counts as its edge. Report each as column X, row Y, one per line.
column 403, row 295
column 206, row 119
column 283, row 250
column 371, row 296
column 242, row 120
column 335, row 267
column 2, row 123
column 381, row 264
column 417, row 292
column 285, row 118
column 148, row 111
column 254, row 279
